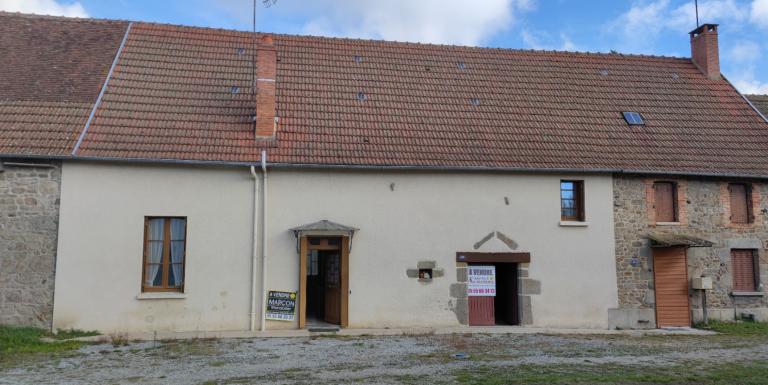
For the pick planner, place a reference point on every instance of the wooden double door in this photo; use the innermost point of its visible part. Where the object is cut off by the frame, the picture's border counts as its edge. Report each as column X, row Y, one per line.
column 670, row 272
column 324, row 280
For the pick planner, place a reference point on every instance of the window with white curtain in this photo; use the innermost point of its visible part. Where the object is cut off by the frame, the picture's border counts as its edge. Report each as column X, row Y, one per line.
column 164, row 253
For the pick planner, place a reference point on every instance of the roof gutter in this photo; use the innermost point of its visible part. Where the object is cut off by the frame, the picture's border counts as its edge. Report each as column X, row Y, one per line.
column 103, row 91
column 298, row 166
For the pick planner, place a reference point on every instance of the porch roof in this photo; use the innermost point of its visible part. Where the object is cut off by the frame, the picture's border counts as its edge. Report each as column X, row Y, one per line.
column 669, row 239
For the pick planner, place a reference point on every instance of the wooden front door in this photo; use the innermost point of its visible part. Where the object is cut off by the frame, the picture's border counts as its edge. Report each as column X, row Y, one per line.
column 332, row 313
column 670, row 271
column 336, row 289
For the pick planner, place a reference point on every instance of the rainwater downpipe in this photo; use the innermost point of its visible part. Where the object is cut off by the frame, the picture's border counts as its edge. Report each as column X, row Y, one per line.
column 256, row 245
column 264, row 248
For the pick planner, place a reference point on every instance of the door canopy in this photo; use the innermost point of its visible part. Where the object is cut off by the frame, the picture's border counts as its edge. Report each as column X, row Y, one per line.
column 324, row 228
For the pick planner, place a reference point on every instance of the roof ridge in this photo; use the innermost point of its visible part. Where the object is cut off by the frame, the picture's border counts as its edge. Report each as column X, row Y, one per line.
column 61, row 18
column 353, row 39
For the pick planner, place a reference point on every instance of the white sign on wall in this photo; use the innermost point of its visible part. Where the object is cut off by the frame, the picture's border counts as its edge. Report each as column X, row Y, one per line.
column 482, row 281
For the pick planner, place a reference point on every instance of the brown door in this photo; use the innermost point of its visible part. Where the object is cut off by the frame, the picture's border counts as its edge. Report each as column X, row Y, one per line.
column 670, row 271
column 332, row 313
column 334, row 291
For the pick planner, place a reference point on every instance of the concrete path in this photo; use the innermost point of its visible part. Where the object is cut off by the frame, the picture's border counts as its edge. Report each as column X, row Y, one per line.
column 397, row 332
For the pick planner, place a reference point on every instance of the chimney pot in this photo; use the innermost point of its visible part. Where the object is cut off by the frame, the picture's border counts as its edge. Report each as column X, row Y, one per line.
column 705, row 51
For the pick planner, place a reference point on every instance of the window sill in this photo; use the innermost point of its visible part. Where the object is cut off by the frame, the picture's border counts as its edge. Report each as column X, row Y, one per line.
column 747, row 294
column 573, row 224
column 667, row 223
column 161, row 295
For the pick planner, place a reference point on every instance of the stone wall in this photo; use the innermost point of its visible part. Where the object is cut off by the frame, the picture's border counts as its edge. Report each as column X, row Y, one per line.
column 29, row 216
column 706, row 217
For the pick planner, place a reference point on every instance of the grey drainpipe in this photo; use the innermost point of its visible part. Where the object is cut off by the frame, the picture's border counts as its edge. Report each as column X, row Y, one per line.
column 255, row 252
column 264, row 249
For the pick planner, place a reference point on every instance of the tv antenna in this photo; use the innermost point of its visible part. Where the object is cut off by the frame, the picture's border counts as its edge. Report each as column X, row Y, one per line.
column 696, row 4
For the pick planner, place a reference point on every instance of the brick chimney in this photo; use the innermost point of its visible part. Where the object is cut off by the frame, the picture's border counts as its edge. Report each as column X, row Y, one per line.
column 705, row 52
column 266, row 72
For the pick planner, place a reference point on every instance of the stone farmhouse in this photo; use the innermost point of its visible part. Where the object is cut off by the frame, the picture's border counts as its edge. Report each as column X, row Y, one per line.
column 167, row 178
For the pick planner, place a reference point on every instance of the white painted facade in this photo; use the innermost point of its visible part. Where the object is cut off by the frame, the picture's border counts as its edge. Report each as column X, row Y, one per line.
column 402, row 217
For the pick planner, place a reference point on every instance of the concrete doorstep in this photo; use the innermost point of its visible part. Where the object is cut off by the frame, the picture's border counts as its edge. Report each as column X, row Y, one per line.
column 389, row 332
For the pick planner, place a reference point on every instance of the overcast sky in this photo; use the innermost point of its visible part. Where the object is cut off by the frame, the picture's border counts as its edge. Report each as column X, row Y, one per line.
column 657, row 27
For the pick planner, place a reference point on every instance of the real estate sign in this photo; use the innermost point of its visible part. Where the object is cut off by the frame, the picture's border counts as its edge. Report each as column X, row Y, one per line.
column 482, row 281
column 281, row 305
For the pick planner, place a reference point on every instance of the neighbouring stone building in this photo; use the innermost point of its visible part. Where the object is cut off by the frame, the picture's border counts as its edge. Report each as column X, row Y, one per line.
column 704, row 213
column 29, row 217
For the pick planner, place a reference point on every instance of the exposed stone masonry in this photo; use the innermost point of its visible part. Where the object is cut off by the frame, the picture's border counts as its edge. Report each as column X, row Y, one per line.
column 29, row 216
column 706, row 218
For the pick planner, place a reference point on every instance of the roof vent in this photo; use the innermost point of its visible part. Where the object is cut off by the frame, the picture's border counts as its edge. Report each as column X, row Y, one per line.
column 361, row 96
column 358, row 59
column 604, row 72
column 460, row 65
column 235, row 90
column 675, row 75
column 474, row 101
column 634, row 118
column 240, row 51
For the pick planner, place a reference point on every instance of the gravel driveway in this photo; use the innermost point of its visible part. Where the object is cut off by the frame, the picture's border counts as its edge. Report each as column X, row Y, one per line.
column 375, row 360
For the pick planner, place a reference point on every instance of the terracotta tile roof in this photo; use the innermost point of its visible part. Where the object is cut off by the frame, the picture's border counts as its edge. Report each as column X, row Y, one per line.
column 171, row 98
column 51, row 71
column 760, row 102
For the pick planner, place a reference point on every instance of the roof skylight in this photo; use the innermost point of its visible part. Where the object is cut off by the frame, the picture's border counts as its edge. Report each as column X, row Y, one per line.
column 634, row 118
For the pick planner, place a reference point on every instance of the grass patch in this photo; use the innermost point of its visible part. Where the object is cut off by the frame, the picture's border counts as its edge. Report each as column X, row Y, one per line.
column 17, row 340
column 739, row 328
column 753, row 373
column 73, row 333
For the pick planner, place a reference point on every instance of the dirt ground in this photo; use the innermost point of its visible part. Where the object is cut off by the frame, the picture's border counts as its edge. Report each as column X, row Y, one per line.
column 424, row 359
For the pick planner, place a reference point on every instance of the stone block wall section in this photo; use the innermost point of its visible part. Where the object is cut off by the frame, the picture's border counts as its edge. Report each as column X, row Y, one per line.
column 704, row 216
column 29, row 217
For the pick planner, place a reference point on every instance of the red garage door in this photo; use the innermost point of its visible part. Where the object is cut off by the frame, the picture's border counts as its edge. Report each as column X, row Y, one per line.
column 670, row 270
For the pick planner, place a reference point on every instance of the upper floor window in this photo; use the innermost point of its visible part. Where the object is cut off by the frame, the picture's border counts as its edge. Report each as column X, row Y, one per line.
column 741, row 203
column 164, row 253
column 572, row 200
column 665, row 203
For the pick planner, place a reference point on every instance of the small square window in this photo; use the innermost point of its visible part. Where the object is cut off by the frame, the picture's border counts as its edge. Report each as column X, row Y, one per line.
column 425, row 274
column 634, row 118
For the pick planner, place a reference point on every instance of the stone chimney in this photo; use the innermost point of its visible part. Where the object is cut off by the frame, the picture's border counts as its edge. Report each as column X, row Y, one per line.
column 705, row 52
column 266, row 73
